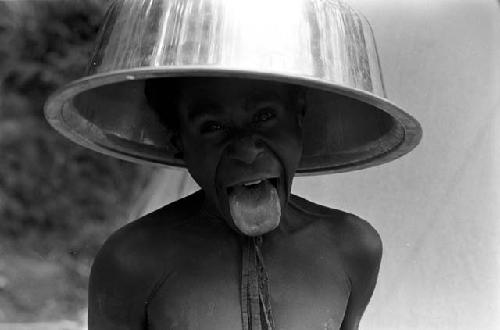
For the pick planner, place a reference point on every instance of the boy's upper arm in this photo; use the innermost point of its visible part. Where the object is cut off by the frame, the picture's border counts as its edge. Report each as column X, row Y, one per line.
column 362, row 250
column 119, row 286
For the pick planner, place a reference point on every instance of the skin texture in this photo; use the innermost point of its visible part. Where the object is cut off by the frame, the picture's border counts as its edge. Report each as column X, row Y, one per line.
column 179, row 267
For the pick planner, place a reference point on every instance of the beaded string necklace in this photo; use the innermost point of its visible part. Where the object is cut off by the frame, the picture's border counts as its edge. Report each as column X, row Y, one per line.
column 256, row 310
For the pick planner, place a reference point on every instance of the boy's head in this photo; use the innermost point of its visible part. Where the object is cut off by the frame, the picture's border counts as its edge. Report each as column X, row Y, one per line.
column 240, row 139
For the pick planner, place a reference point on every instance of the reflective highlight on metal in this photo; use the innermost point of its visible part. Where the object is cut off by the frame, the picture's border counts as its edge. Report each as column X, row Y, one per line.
column 323, row 45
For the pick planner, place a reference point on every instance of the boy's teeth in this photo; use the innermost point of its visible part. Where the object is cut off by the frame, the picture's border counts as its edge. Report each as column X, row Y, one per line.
column 252, row 183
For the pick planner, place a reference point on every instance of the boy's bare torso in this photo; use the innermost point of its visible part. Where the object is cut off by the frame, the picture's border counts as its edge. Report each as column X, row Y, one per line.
column 179, row 268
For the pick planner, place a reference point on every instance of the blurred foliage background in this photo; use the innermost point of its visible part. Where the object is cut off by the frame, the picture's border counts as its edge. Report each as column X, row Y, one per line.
column 58, row 201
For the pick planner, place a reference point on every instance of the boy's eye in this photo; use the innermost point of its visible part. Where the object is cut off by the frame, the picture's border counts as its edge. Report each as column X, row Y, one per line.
column 264, row 115
column 211, row 126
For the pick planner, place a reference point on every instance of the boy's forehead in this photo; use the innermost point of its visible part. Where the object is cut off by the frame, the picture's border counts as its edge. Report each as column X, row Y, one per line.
column 212, row 90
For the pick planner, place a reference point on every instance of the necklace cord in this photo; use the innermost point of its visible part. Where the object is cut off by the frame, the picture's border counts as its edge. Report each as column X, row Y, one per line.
column 256, row 309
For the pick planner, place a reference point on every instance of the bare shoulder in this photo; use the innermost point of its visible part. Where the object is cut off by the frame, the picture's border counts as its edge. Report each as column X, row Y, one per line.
column 140, row 239
column 356, row 244
column 355, row 237
column 131, row 264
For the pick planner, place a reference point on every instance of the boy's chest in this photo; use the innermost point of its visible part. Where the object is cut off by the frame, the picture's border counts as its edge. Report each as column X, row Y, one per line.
column 309, row 290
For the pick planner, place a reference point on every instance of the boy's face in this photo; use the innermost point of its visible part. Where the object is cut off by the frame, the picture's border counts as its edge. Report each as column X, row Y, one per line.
column 242, row 142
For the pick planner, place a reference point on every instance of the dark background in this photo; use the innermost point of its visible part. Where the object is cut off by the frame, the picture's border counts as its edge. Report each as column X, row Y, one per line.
column 58, row 201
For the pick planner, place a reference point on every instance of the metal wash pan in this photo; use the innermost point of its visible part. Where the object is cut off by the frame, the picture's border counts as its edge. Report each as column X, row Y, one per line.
column 323, row 45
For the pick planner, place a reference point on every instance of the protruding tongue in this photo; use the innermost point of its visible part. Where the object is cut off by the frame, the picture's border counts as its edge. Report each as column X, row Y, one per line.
column 255, row 209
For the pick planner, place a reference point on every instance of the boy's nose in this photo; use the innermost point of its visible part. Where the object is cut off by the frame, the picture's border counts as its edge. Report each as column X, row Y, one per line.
column 245, row 149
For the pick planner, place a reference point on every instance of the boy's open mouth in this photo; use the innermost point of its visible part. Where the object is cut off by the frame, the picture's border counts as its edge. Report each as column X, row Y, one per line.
column 255, row 205
column 253, row 185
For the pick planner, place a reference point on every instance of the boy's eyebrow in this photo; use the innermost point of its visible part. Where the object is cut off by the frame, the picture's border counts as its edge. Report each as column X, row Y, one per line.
column 201, row 109
column 207, row 107
column 261, row 96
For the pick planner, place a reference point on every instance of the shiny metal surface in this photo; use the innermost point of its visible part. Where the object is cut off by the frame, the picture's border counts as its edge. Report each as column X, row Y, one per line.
column 323, row 45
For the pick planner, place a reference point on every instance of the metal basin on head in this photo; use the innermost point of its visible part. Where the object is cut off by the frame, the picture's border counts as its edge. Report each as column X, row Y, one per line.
column 322, row 45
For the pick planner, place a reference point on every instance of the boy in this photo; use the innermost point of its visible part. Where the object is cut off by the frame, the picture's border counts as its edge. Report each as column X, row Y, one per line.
column 268, row 89
column 179, row 267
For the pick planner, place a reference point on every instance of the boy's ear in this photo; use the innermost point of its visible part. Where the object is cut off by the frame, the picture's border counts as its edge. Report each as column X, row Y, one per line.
column 176, row 142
